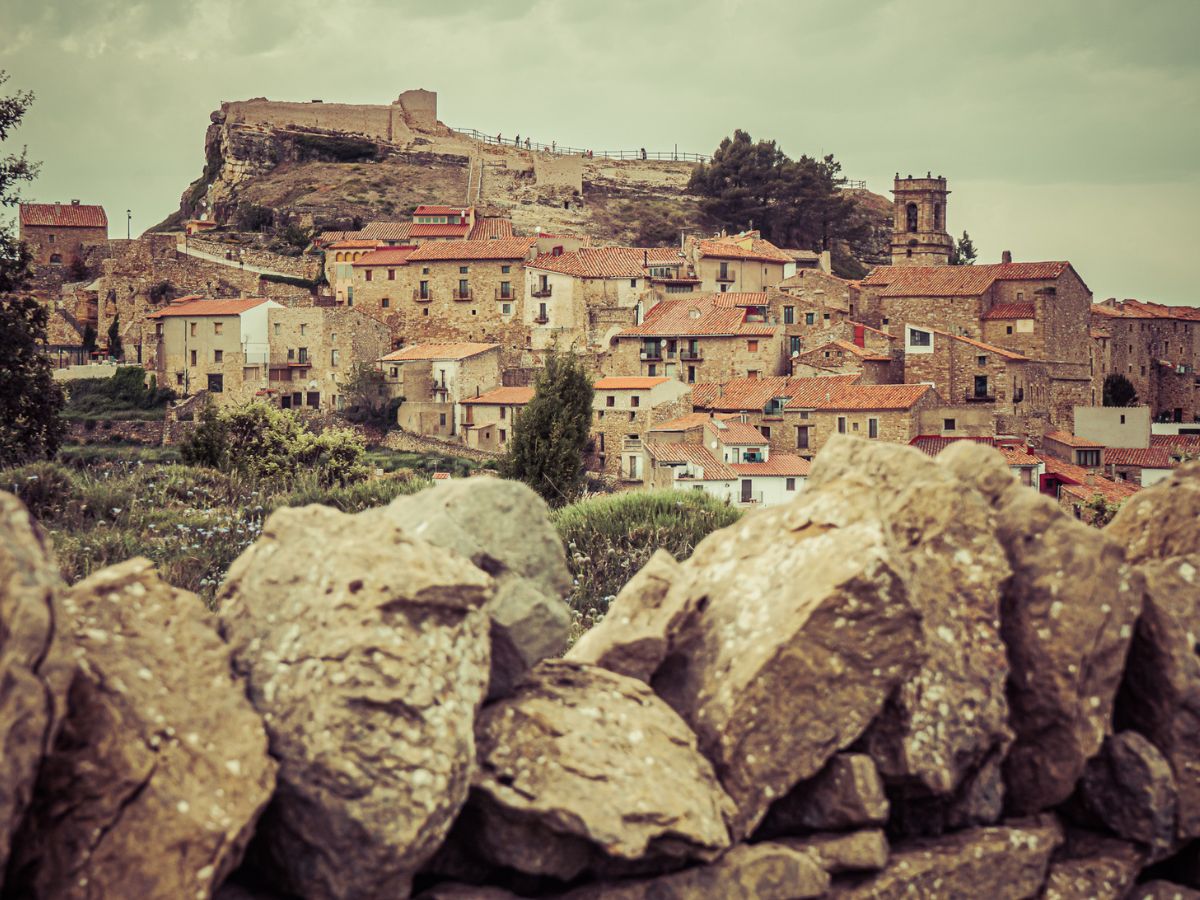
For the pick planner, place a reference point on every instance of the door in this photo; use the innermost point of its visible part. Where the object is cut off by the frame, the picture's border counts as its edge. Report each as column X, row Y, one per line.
column 747, row 493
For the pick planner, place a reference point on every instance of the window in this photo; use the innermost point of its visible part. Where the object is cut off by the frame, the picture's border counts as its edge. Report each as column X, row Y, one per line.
column 55, row 258
column 981, row 386
column 1008, row 329
column 789, row 484
column 216, row 384
column 918, row 338
column 442, row 420
column 50, row 238
column 505, row 289
column 462, row 270
column 425, row 270
column 825, row 317
column 652, row 370
column 635, row 401
column 949, row 424
column 193, row 357
column 766, row 431
column 349, row 302
column 506, row 309
column 503, row 435
column 633, row 282
column 385, row 303
column 334, row 357
column 504, row 270
column 423, row 290
column 276, row 328
column 367, row 275
column 810, row 318
column 503, row 413
column 841, row 424
column 218, row 356
column 425, row 311
column 885, row 320
column 192, row 329
column 910, row 217
column 981, row 360
column 789, row 315
column 752, row 346
column 691, row 374
column 303, row 329
column 632, row 416
column 391, row 274
column 794, row 345
column 314, row 399
column 464, row 288
column 801, row 437
column 872, row 428
column 303, row 353
column 218, row 327
column 1087, row 457
column 179, row 378
column 297, row 397
column 1122, row 419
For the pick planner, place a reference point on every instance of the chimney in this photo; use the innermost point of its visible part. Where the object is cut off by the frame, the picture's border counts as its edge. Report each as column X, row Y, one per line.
column 1006, row 257
column 74, row 202
column 645, row 258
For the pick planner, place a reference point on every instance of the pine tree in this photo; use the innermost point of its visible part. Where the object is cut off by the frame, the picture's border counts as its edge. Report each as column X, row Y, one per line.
column 964, row 252
column 551, row 432
column 1119, row 391
column 115, row 348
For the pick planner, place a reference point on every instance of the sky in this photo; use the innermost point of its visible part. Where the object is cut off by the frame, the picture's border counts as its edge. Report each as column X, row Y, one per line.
column 1068, row 129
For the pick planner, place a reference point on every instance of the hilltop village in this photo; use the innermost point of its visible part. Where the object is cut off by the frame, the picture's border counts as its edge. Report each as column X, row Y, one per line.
column 721, row 363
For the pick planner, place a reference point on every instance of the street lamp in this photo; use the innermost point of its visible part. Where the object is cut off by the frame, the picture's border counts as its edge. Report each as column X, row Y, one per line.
column 128, row 224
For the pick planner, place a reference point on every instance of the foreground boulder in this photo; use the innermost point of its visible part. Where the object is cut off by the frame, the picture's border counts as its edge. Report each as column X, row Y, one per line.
column 583, row 769
column 1067, row 619
column 793, row 615
column 841, row 852
column 1160, row 522
column 951, row 719
column 504, row 528
column 1131, row 789
column 160, row 770
column 1093, row 867
column 1001, row 863
column 32, row 678
column 847, row 793
column 367, row 653
column 634, row 635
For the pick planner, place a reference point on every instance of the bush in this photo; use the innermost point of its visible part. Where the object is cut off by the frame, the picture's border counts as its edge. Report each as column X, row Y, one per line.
column 44, row 487
column 125, row 392
column 252, row 217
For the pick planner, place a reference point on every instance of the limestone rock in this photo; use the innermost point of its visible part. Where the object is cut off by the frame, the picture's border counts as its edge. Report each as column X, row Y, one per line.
column 851, row 851
column 794, row 614
column 1093, row 867
column 1160, row 521
column 160, row 770
column 1067, row 618
column 30, row 672
column 952, row 715
column 505, row 529
column 847, row 793
column 633, row 636
column 1130, row 787
column 1162, row 890
column 1160, row 696
column 583, row 766
column 367, row 653
column 998, row 862
column 747, row 872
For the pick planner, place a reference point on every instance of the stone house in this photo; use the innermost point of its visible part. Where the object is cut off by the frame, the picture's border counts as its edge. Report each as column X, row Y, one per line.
column 700, row 337
column 487, row 420
column 1025, row 466
column 810, row 303
column 211, row 345
column 885, row 412
column 433, row 379
column 313, row 352
column 967, row 371
column 56, row 233
column 1071, row 448
column 840, row 357
column 739, row 262
column 1076, row 488
column 377, row 280
column 624, row 409
column 1142, row 466
column 340, row 257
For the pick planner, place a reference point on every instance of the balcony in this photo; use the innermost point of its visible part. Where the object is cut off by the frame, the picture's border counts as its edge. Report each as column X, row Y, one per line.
column 281, row 361
column 750, row 498
column 691, row 354
column 503, row 295
column 631, row 445
column 976, row 397
column 543, row 291
column 651, row 355
column 541, row 319
column 726, row 277
column 425, row 297
column 462, row 296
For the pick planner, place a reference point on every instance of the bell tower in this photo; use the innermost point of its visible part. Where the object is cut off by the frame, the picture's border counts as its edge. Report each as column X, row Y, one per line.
column 919, row 236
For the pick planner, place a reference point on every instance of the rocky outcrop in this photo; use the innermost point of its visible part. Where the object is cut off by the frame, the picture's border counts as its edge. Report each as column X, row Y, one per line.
column 584, row 769
column 848, row 793
column 1131, row 789
column 160, row 770
column 793, row 614
column 1093, row 867
column 367, row 654
column 32, row 676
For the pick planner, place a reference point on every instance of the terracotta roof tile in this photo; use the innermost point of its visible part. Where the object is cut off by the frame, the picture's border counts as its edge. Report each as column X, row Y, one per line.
column 1116, row 492
column 697, row 455
column 777, row 464
column 733, row 433
column 955, row 281
column 503, row 396
column 385, row 256
column 742, row 298
column 753, row 394
column 187, row 307
column 447, row 350
column 430, row 230
column 386, row 231
column 453, row 251
column 990, row 348
column 697, row 315
column 1142, row 457
column 1140, row 309
column 848, row 347
column 606, row 262
column 690, row 421
column 1187, row 443
column 491, row 228
column 425, row 210
column 874, row 396
column 63, row 215
column 629, row 382
column 1070, row 440
column 744, row 246
column 1011, row 311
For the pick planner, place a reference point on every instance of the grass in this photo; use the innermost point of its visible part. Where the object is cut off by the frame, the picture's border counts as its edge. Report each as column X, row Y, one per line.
column 608, row 539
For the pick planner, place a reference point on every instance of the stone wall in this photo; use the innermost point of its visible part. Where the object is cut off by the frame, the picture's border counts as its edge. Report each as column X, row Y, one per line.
column 68, row 244
column 721, row 358
column 307, row 266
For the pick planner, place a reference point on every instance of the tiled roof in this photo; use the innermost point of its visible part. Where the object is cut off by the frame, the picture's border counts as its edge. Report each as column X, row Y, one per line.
column 1116, row 492
column 386, row 231
column 933, row 444
column 503, row 396
column 491, row 228
column 63, row 215
column 387, row 256
column 714, row 469
column 606, row 262
column 1140, row 309
column 1189, row 443
column 874, row 331
column 874, row 396
column 354, row 244
column 990, row 348
column 955, row 281
column 1011, row 311
column 418, row 229
column 448, row 350
column 332, row 237
column 743, row 247
column 848, row 347
column 1142, row 457
column 507, row 248
column 1070, row 440
column 629, row 382
column 779, row 464
column 424, row 210
column 753, row 394
column 731, row 433
column 186, row 307
column 690, row 421
column 697, row 315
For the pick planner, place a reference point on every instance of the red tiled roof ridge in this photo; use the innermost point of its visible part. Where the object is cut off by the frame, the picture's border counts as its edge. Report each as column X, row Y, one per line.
column 192, row 306
column 606, row 262
column 439, row 350
column 451, row 251
column 63, row 215
column 503, row 396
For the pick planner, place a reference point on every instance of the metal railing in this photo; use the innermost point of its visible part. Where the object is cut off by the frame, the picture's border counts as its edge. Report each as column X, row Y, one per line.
column 752, row 497
column 506, row 295
column 976, row 397
column 542, row 291
column 422, row 298
column 463, row 296
column 563, row 150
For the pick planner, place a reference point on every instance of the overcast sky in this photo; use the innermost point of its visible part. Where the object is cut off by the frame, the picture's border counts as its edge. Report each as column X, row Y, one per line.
column 1069, row 129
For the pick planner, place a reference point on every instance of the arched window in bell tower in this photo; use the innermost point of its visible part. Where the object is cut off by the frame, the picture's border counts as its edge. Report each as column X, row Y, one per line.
column 910, row 213
column 938, row 225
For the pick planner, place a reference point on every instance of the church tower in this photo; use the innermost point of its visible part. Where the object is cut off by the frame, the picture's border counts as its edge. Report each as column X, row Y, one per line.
column 919, row 236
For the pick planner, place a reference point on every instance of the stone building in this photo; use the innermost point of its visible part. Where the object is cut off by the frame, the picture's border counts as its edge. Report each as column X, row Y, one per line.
column 380, row 278
column 808, row 304
column 700, row 337
column 433, row 379
column 56, row 233
column 488, row 419
column 968, row 371
column 340, row 257
column 919, row 236
column 624, row 409
column 885, row 412
column 739, row 262
column 840, row 357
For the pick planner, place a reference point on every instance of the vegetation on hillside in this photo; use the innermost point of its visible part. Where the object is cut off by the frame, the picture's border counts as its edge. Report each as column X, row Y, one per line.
column 1119, row 391
column 126, row 395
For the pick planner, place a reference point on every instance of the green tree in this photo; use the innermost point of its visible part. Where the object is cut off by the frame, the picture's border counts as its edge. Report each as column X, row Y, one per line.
column 15, row 169
column 550, row 434
column 115, row 348
column 365, row 394
column 252, row 217
column 89, row 339
column 1119, row 391
column 963, row 252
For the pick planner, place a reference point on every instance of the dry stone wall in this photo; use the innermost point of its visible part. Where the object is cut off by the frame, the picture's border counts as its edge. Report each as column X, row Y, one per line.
column 919, row 678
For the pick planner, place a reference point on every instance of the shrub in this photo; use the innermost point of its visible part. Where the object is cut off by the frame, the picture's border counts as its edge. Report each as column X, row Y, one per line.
column 44, row 487
column 252, row 217
column 125, row 392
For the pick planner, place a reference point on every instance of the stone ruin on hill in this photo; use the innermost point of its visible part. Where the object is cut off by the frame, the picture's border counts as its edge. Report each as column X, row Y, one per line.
column 918, row 679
